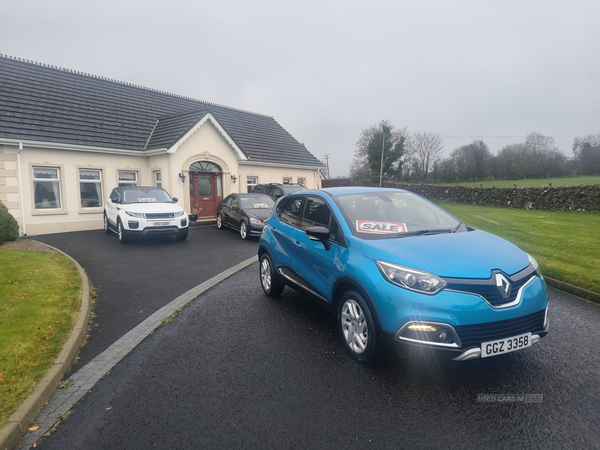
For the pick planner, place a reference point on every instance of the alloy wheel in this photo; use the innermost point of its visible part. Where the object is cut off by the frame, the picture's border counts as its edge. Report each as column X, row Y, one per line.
column 354, row 326
column 243, row 230
column 265, row 274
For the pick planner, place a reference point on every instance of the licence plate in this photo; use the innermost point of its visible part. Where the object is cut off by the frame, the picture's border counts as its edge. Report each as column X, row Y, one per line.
column 161, row 224
column 501, row 346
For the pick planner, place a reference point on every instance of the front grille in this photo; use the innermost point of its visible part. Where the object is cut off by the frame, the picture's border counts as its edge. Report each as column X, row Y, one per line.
column 487, row 287
column 159, row 215
column 474, row 335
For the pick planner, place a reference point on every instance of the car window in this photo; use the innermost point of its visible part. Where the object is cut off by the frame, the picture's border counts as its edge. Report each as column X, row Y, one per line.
column 269, row 191
column 294, row 188
column 259, row 189
column 227, row 201
column 234, row 202
column 256, row 202
column 334, row 232
column 291, row 211
column 381, row 215
column 277, row 193
column 316, row 213
column 149, row 195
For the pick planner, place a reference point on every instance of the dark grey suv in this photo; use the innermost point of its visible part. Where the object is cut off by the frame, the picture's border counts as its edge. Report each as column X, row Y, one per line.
column 276, row 190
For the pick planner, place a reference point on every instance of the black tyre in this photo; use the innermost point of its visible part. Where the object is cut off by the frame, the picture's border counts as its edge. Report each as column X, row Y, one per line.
column 122, row 234
column 106, row 227
column 220, row 225
column 244, row 233
column 182, row 235
column 358, row 329
column 268, row 279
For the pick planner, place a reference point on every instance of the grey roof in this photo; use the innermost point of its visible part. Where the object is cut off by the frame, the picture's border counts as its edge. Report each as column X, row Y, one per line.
column 50, row 104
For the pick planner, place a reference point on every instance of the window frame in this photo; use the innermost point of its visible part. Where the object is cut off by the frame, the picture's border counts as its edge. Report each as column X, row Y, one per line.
column 250, row 186
column 287, row 178
column 138, row 178
column 157, row 182
column 61, row 189
column 91, row 209
column 341, row 240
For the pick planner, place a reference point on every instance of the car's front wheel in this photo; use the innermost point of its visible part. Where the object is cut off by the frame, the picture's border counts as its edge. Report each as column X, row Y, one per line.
column 122, row 234
column 220, row 222
column 268, row 280
column 358, row 329
column 243, row 229
column 106, row 228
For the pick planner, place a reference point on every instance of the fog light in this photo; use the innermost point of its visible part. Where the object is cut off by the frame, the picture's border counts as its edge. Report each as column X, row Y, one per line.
column 183, row 222
column 442, row 336
column 417, row 327
column 133, row 225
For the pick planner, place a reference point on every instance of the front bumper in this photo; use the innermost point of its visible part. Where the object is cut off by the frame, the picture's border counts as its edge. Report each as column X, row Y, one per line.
column 468, row 318
column 139, row 227
column 255, row 229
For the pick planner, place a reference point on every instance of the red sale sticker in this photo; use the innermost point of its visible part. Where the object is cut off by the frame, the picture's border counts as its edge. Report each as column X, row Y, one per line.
column 369, row 226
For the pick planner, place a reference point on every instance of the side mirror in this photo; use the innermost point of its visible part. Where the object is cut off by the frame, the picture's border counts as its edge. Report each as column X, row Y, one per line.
column 320, row 234
column 175, row 199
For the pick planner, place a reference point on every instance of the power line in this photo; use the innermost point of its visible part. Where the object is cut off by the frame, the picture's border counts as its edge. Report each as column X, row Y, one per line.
column 505, row 136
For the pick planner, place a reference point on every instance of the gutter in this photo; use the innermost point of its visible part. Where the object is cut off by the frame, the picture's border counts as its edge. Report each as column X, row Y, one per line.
column 20, row 181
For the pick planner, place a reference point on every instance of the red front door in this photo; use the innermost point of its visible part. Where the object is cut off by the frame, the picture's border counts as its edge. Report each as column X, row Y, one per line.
column 206, row 191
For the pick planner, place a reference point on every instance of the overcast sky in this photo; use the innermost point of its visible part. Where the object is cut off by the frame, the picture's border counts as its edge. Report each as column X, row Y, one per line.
column 327, row 69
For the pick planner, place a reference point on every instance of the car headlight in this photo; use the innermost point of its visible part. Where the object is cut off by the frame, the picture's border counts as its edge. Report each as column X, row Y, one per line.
column 135, row 214
column 255, row 221
column 178, row 213
column 533, row 262
column 412, row 279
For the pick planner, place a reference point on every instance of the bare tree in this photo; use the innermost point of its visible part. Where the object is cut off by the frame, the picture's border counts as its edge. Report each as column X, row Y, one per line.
column 425, row 148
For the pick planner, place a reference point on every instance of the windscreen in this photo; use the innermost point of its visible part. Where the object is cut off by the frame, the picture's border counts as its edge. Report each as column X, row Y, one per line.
column 141, row 195
column 384, row 215
column 256, row 202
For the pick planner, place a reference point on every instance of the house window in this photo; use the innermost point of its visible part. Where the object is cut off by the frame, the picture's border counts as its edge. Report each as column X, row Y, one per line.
column 46, row 188
column 251, row 182
column 287, row 180
column 302, row 181
column 90, row 188
column 157, row 178
column 128, row 178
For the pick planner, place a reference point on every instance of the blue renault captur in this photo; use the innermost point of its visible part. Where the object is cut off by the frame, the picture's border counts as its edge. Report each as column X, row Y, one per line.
column 400, row 272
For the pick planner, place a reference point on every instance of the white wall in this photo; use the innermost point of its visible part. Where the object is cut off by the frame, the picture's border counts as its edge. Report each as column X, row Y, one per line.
column 206, row 143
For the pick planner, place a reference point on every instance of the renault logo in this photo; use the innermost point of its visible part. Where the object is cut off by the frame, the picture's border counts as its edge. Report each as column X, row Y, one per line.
column 503, row 285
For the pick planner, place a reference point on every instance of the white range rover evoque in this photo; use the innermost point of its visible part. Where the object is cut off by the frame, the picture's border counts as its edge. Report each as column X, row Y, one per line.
column 136, row 211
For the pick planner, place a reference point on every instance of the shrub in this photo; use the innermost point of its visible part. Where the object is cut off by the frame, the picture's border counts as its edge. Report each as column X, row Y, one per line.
column 9, row 229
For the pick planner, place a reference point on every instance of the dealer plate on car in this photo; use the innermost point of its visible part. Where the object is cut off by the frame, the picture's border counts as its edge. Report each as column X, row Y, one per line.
column 161, row 224
column 501, row 346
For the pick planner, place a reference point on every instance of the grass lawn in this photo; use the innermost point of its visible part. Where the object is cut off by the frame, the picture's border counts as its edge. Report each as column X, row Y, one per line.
column 566, row 244
column 40, row 295
column 568, row 181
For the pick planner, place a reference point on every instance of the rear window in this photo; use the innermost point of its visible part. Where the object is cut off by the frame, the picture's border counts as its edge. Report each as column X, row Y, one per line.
column 293, row 188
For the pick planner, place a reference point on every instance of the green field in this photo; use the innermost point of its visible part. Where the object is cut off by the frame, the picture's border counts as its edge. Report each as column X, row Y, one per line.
column 40, row 295
column 538, row 182
column 566, row 244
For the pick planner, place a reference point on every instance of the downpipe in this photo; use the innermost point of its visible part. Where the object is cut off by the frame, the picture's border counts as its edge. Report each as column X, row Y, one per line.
column 20, row 181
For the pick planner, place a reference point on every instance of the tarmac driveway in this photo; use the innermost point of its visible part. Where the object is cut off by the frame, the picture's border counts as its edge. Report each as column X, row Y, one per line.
column 134, row 280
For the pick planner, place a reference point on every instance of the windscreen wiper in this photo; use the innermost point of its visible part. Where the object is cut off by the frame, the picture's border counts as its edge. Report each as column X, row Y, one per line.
column 421, row 233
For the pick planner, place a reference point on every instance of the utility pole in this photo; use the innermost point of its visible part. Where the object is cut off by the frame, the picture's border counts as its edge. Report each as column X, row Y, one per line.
column 327, row 159
column 382, row 147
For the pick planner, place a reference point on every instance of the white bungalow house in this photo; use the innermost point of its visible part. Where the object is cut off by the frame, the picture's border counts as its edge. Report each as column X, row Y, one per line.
column 67, row 138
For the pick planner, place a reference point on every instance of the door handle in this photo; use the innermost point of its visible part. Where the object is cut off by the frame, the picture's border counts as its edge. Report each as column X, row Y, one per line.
column 297, row 244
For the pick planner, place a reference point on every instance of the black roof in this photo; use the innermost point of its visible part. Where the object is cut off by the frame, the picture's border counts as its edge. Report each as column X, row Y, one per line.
column 50, row 104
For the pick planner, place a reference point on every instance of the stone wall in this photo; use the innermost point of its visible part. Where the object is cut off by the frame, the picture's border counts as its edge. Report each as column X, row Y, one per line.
column 571, row 198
